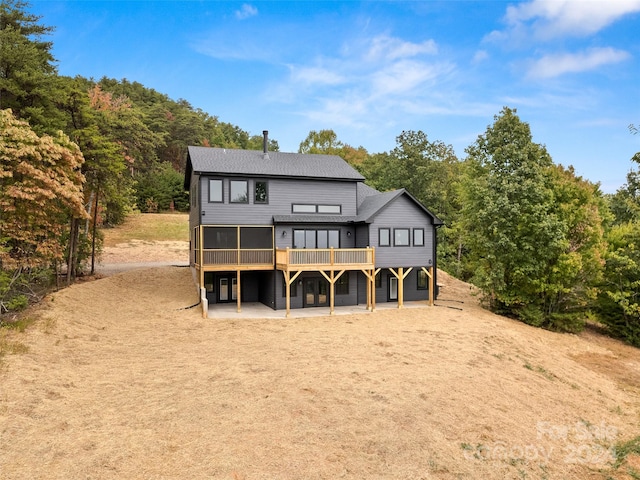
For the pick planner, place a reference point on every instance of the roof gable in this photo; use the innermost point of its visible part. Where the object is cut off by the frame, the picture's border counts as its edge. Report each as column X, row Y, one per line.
column 375, row 203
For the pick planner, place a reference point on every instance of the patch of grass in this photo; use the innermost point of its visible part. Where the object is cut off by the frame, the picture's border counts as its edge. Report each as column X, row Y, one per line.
column 623, row 450
column 617, row 410
column 48, row 325
column 168, row 227
column 20, row 324
column 541, row 370
column 8, row 346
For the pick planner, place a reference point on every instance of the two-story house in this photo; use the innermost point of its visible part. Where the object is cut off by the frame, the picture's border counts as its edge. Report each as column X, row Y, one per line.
column 296, row 230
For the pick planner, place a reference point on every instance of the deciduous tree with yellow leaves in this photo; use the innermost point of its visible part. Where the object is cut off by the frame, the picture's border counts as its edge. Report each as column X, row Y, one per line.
column 40, row 196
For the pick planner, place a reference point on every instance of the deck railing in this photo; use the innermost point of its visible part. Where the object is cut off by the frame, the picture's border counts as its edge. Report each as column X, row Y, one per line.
column 234, row 257
column 334, row 257
column 286, row 257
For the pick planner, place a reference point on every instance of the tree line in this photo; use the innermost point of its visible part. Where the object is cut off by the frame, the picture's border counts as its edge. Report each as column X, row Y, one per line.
column 76, row 153
column 543, row 245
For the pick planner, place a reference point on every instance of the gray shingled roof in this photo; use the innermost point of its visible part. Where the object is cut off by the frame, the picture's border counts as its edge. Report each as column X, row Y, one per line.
column 372, row 204
column 363, row 191
column 375, row 202
column 221, row 161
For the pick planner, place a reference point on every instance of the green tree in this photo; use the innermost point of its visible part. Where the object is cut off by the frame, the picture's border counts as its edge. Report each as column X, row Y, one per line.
column 162, row 189
column 625, row 203
column 619, row 300
column 323, row 141
column 26, row 64
column 326, row 142
column 533, row 230
column 430, row 171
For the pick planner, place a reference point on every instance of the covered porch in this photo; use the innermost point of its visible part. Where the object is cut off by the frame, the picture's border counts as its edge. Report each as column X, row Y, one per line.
column 331, row 263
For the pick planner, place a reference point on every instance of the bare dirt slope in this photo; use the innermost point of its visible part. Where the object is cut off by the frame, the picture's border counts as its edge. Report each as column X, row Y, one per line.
column 120, row 381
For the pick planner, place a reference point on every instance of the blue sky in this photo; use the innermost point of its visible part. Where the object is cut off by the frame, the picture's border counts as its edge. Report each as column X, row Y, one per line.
column 369, row 70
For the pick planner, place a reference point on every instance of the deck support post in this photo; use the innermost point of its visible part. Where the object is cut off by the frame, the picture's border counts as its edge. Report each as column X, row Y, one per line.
column 401, row 274
column 429, row 273
column 288, row 280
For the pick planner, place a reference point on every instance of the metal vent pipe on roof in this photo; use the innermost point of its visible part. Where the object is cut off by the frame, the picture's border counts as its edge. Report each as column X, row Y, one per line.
column 265, row 141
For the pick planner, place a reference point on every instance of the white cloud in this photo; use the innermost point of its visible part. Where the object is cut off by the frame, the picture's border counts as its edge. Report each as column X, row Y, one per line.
column 384, row 47
column 246, row 11
column 404, row 77
column 549, row 19
column 379, row 76
column 480, row 56
column 551, row 66
column 315, row 75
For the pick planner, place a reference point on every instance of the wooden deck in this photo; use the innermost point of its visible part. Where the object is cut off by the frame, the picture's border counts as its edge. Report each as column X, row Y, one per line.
column 299, row 259
column 293, row 260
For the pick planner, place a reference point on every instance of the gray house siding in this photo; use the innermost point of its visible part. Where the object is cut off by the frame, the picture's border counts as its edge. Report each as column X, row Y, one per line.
column 402, row 213
column 267, row 288
column 282, row 193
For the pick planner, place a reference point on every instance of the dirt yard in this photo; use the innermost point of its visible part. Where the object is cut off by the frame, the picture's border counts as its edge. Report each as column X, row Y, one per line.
column 120, row 381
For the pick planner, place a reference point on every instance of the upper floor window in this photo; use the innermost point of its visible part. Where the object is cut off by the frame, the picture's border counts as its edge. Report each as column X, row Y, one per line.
column 384, row 237
column 401, row 237
column 418, row 237
column 261, row 192
column 333, row 209
column 309, row 208
column 238, row 191
column 215, row 190
column 303, row 208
